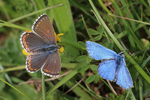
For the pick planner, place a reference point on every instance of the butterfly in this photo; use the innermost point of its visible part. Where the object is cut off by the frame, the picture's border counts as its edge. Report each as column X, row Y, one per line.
column 41, row 45
column 113, row 68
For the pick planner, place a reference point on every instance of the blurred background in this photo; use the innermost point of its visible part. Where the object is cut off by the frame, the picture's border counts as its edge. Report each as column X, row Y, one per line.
column 117, row 25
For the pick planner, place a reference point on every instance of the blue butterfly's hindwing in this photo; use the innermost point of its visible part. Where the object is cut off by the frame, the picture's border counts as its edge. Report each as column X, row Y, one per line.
column 107, row 69
column 123, row 76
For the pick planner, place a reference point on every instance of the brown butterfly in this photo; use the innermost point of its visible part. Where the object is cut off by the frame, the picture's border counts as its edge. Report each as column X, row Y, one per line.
column 41, row 44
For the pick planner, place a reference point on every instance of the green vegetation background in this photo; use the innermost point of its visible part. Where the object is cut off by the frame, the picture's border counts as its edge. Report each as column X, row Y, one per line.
column 80, row 20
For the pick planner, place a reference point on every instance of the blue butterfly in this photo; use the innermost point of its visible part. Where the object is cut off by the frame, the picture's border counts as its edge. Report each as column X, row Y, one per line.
column 113, row 68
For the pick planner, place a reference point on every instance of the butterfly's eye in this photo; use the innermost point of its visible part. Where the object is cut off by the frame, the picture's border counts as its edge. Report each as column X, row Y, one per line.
column 58, row 38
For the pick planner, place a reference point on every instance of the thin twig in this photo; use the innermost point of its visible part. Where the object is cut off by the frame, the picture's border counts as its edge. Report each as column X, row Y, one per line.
column 112, row 88
column 129, row 19
column 49, row 79
column 58, row 76
column 73, row 86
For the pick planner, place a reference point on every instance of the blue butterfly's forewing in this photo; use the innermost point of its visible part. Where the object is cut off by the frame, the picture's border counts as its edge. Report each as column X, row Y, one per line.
column 99, row 52
column 123, row 76
column 107, row 69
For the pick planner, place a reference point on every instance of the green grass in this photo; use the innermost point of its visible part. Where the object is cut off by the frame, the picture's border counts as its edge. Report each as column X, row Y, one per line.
column 120, row 26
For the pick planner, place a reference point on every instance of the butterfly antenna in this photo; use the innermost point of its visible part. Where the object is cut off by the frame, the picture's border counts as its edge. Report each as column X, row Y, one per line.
column 121, row 53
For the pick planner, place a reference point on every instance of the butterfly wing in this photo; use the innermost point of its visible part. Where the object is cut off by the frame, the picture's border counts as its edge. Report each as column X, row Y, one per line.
column 43, row 27
column 123, row 76
column 53, row 66
column 107, row 69
column 32, row 42
column 99, row 52
column 35, row 62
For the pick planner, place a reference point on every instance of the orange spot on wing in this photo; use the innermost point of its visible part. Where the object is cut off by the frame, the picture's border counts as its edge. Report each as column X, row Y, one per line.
column 25, row 43
column 46, row 70
column 37, row 25
column 29, row 64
